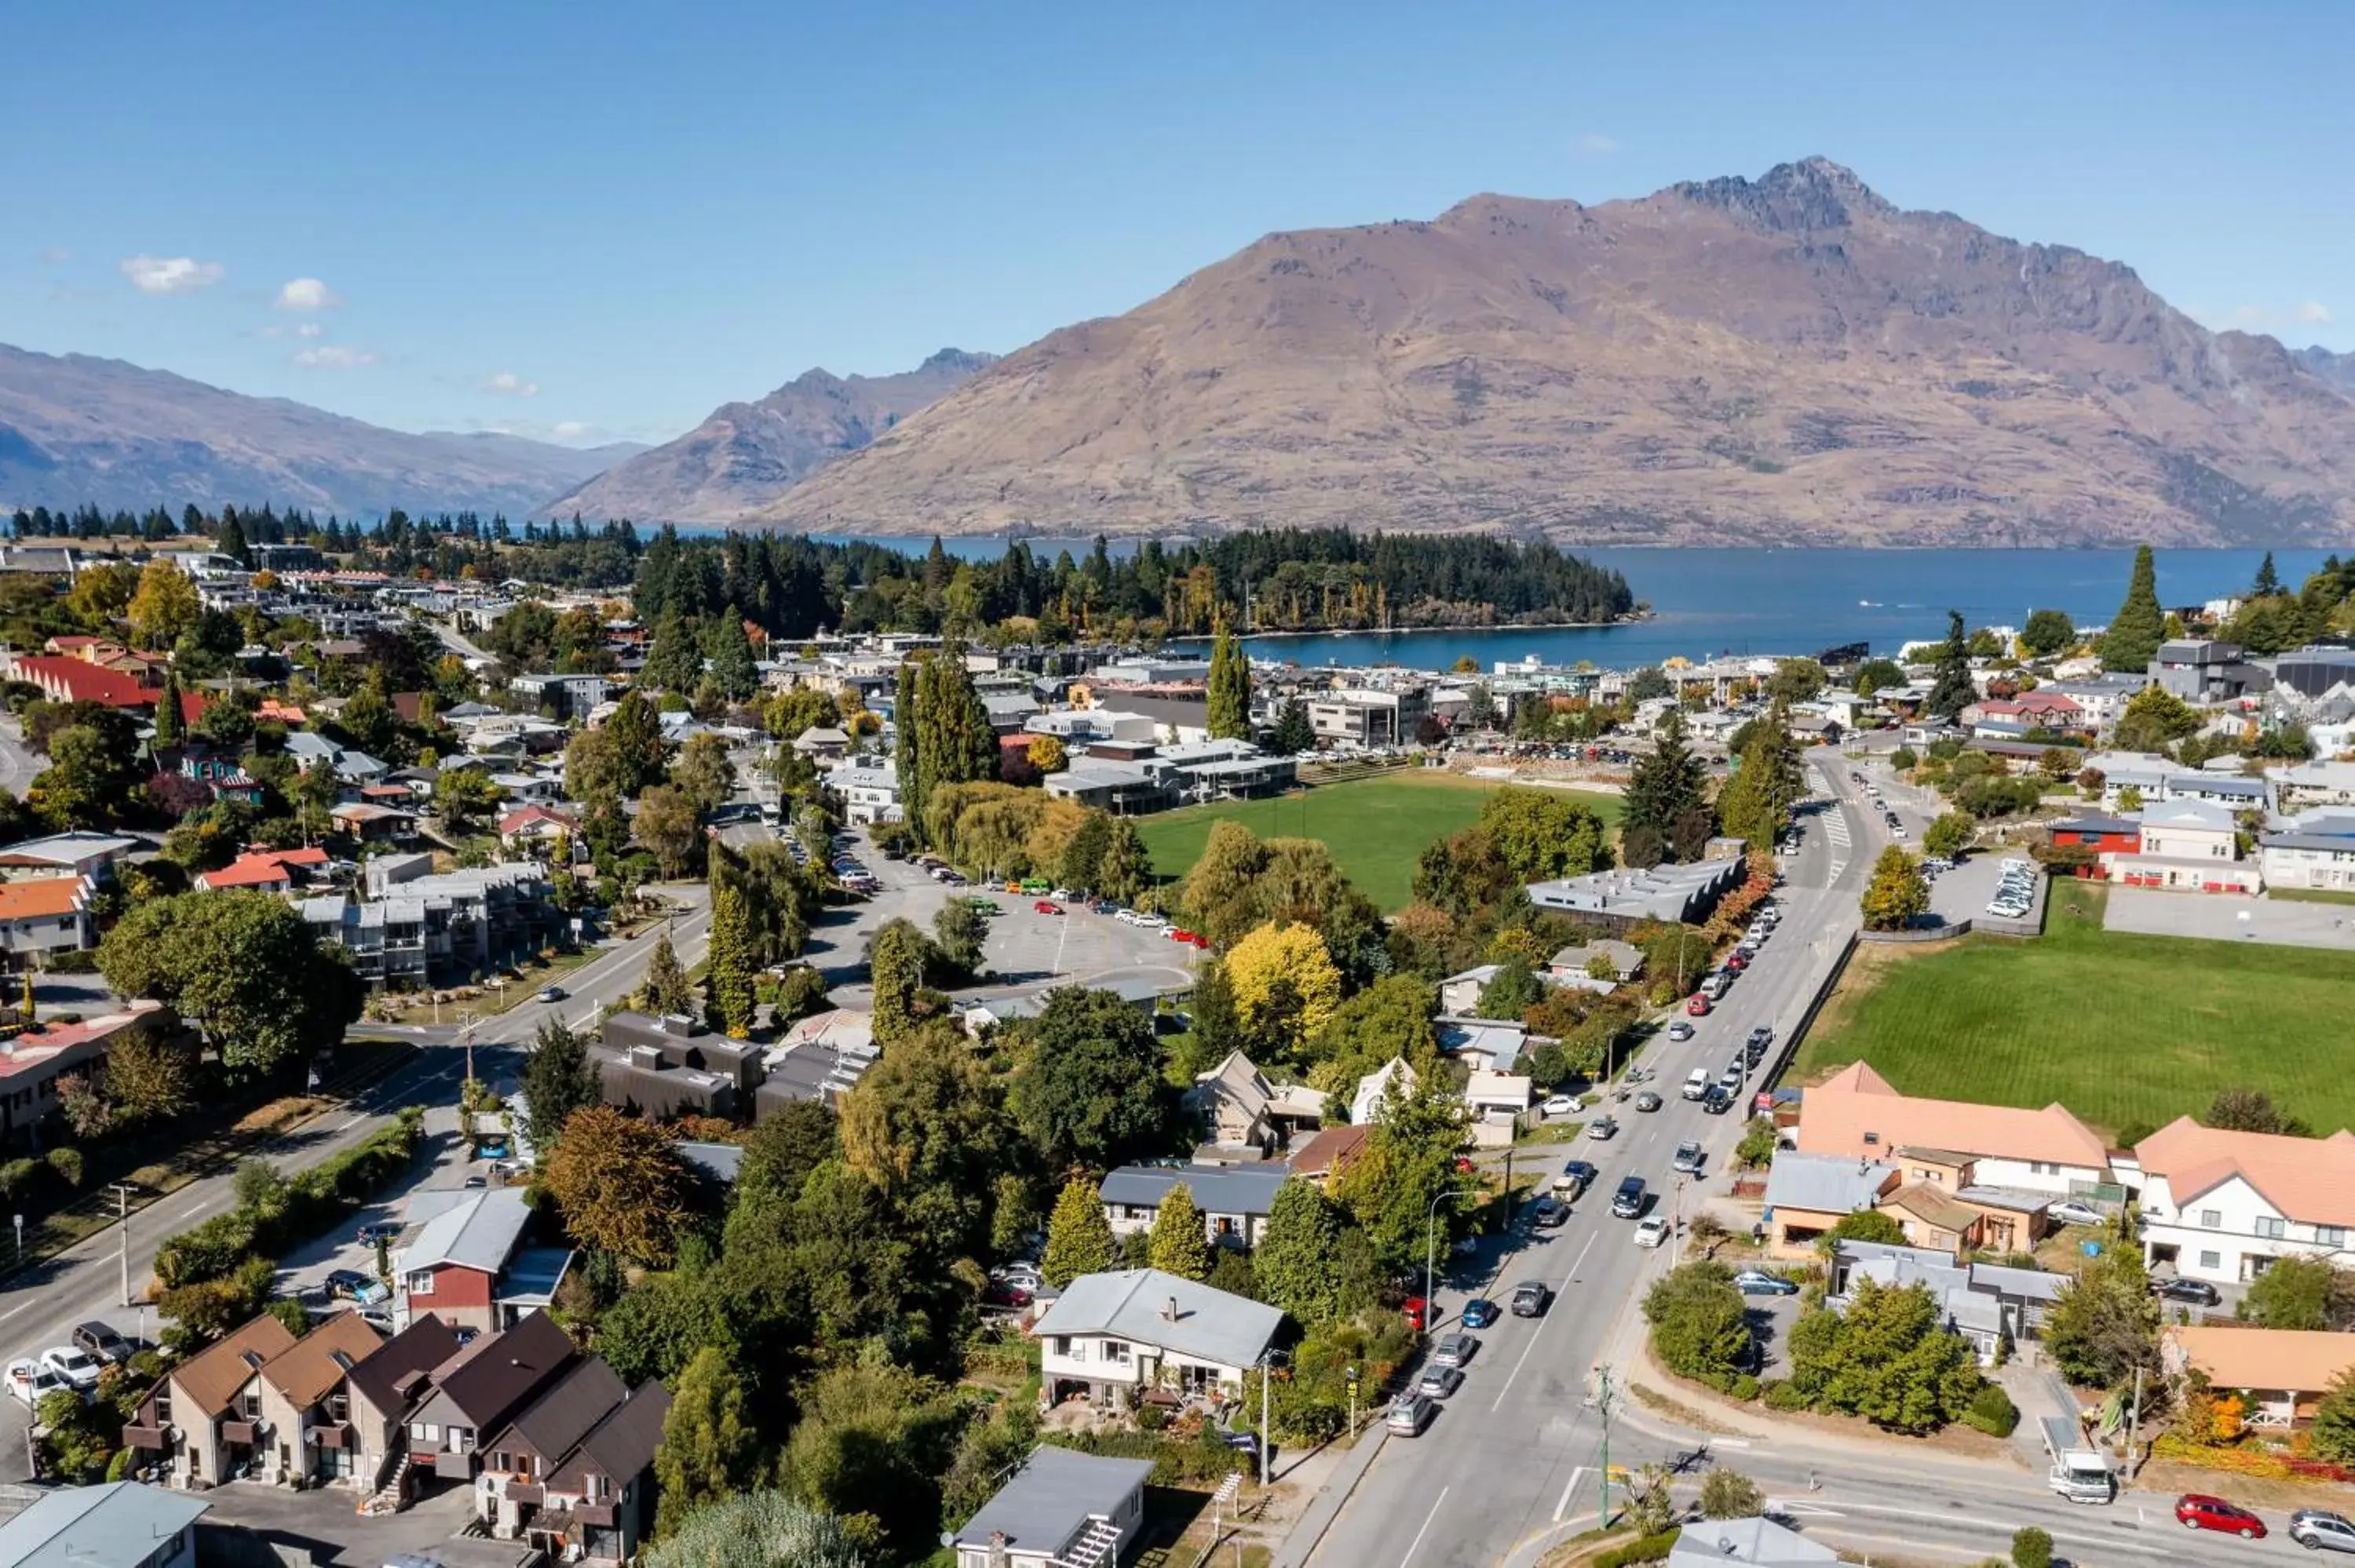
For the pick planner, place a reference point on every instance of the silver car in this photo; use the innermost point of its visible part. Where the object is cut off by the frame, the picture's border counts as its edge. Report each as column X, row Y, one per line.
column 1438, row 1382
column 1455, row 1350
column 2319, row 1530
column 1409, row 1415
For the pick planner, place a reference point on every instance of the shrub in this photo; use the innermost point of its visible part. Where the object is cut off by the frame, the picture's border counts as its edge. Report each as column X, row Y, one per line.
column 2031, row 1547
column 1992, row 1412
column 1783, row 1395
column 18, row 1179
column 66, row 1165
column 1745, row 1388
column 1643, row 1549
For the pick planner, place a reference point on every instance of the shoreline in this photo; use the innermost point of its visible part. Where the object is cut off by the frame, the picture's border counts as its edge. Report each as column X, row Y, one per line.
column 1422, row 630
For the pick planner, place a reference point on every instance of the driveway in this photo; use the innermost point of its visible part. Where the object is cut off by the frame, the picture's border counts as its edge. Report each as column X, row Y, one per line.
column 325, row 1523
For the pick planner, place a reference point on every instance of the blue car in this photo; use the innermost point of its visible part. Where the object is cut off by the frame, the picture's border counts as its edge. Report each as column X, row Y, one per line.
column 1479, row 1312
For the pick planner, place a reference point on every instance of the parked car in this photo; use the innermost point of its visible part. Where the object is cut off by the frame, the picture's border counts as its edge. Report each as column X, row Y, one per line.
column 1530, row 1298
column 1648, row 1101
column 98, row 1339
column 1547, row 1213
column 1652, row 1231
column 376, row 1231
column 1758, row 1282
column 2198, row 1511
column 1102, row 906
column 1409, row 1413
column 1559, row 1105
column 1629, row 1202
column 2068, row 1212
column 31, row 1382
column 1416, row 1311
column 1602, row 1130
column 1689, row 1158
column 1680, row 1030
column 358, row 1287
column 2198, row 1292
column 1737, row 961
column 1698, row 1006
column 1479, row 1312
column 76, row 1366
column 2319, row 1530
column 1438, row 1382
column 1047, row 907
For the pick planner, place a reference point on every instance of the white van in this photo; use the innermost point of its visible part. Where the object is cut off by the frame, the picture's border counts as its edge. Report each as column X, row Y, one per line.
column 1697, row 1085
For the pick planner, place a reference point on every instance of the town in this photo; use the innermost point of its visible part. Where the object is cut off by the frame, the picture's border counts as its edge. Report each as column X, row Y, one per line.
column 502, row 1069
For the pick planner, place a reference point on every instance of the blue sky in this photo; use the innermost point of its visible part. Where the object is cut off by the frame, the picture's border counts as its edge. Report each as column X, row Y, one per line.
column 586, row 221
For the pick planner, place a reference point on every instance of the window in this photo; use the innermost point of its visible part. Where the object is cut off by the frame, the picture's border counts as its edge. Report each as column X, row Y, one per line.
column 2210, row 1260
column 2272, row 1229
column 164, row 1405
column 2330, row 1235
column 2212, row 1219
column 1116, row 1350
column 1063, row 1345
column 425, row 1432
column 420, row 1283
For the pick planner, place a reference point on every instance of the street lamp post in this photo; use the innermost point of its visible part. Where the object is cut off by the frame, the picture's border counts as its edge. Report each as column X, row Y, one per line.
column 1431, row 1253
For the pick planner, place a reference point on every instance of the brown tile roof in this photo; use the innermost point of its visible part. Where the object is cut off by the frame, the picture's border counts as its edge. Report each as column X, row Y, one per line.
column 495, row 1374
column 552, row 1424
column 2311, row 1180
column 211, row 1377
column 425, row 1344
column 1856, row 1113
column 1330, row 1151
column 2299, row 1359
column 306, row 1372
column 1928, row 1205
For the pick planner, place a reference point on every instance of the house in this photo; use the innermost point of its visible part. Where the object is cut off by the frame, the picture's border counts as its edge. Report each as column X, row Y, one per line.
column 1576, row 965
column 307, row 1404
column 1062, row 1509
column 1242, row 1110
column 1112, row 1337
column 121, row 1524
column 1357, row 716
column 2223, row 1206
column 1498, row 1099
column 2187, row 844
column 1325, row 1156
column 1855, row 1114
column 1745, row 1543
column 533, row 825
column 451, row 1265
column 266, row 871
column 374, row 824
column 2096, row 834
column 1459, row 993
column 1392, row 1080
column 476, row 1392
column 869, row 791
column 600, row 1498
column 2189, row 830
column 202, row 1422
column 2202, row 670
column 1985, row 1304
column 1984, row 1216
column 63, row 678
column 1235, row 1201
column 822, row 1057
column 1808, row 1194
column 42, row 918
column 381, row 1390
column 2309, row 860
column 567, row 696
column 673, row 1066
column 521, row 1453
column 33, row 1061
column 416, row 925
column 2283, row 1371
column 1482, row 1044
column 822, row 743
column 86, row 854
column 2318, row 783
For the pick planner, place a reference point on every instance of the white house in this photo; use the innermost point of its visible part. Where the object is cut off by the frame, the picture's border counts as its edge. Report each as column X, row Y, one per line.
column 1243, row 1109
column 870, row 793
column 1110, row 1336
column 1062, row 1509
column 1394, row 1078
column 1234, row 1199
column 2223, row 1206
column 2325, row 860
column 1857, row 1115
column 2321, row 783
column 2189, row 830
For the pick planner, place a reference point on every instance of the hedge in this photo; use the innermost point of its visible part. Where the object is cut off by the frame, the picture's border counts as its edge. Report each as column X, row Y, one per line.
column 1992, row 1412
column 311, row 1201
column 1643, row 1549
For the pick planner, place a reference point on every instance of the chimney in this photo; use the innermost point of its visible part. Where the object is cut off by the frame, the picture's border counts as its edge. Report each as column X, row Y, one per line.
column 1169, row 1311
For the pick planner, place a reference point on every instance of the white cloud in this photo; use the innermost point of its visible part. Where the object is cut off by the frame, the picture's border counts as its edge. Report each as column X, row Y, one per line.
column 569, row 429
column 334, row 357
column 171, row 274
column 2314, row 313
column 305, row 294
column 507, row 383
column 1596, row 145
column 309, row 329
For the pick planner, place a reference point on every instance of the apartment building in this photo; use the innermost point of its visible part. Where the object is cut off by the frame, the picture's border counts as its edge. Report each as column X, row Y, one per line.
column 2223, row 1206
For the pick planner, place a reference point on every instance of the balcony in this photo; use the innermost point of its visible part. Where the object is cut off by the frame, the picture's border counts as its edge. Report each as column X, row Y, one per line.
column 153, row 1438
column 245, row 1431
column 451, row 1465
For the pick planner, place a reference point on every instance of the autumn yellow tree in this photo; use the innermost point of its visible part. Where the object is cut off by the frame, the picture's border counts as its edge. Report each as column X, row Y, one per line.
column 1279, row 969
column 620, row 1186
column 166, row 606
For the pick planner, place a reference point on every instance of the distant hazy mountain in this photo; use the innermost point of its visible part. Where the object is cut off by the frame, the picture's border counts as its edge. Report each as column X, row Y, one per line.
column 77, row 430
column 1791, row 359
column 2338, row 369
column 748, row 454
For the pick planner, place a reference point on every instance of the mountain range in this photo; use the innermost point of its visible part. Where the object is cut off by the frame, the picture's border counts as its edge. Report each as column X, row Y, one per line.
column 746, row 454
column 1786, row 360
column 76, row 430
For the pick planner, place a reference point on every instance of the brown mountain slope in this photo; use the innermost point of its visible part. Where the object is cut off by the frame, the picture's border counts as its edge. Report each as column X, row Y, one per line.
column 747, row 453
column 1786, row 360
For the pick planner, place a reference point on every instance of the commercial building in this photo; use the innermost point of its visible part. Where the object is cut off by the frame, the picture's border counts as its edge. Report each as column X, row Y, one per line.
column 1623, row 900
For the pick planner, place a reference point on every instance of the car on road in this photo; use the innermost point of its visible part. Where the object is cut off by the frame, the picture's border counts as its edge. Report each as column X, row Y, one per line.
column 1689, row 1158
column 1602, row 1130
column 99, row 1339
column 1653, row 1231
column 1530, row 1298
column 1479, row 1312
column 1409, row 1413
column 1547, row 1214
column 1696, row 1006
column 1559, row 1105
column 1648, row 1101
column 358, row 1287
column 1761, row 1038
column 1046, row 906
column 2319, row 1530
column 1438, row 1382
column 1696, row 1083
column 1576, row 1177
column 551, row 993
column 1758, row 1282
column 2198, row 1292
column 76, row 1366
column 31, row 1382
column 2198, row 1511
column 2068, row 1212
column 376, row 1231
column 1717, row 1102
column 1629, row 1202
column 1455, row 1350
column 1680, row 1030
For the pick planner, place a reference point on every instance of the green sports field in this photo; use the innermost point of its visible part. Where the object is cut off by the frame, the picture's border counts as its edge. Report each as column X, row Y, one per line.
column 2126, row 1030
column 1375, row 827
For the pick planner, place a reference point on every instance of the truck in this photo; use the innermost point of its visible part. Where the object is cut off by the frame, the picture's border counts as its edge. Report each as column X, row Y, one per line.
column 2080, row 1474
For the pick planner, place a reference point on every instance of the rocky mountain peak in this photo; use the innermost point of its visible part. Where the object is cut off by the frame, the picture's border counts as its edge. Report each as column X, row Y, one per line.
column 1805, row 197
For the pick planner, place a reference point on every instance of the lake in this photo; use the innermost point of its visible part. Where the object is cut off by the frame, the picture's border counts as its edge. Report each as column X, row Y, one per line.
column 1708, row 602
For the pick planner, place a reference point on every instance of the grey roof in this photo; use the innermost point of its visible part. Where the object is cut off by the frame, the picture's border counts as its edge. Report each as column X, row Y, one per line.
column 96, row 1527
column 2327, row 843
column 1217, row 1189
column 478, row 1231
column 1133, row 1304
column 1746, row 1543
column 1824, row 1183
column 533, row 1275
column 2031, row 1284
column 1052, row 1497
column 720, row 1161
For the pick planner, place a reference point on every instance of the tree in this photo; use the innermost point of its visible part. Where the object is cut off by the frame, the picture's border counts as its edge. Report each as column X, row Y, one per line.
column 667, row 824
column 164, row 607
column 896, row 972
column 368, row 718
column 2104, row 1324
column 1889, row 1358
column 758, row 1530
column 169, row 721
column 2130, row 799
column 1897, row 895
column 1648, row 683
column 1862, row 1225
column 2332, row 1433
column 1542, row 834
column 1297, row 737
column 1755, row 804
column 2268, row 582
column 1950, row 835
column 958, row 932
column 674, row 662
column 2245, row 1109
column 1046, row 754
column 1228, row 687
column 463, row 797
column 1179, row 1246
column 2294, row 1293
column 1729, row 1494
column 1666, row 792
column 1088, row 1091
column 707, row 1451
column 1287, row 956
column 1299, row 1257
column 2048, row 632
column 1952, row 691
column 728, row 979
column 2032, row 1547
column 703, row 773
column 1797, row 680
column 558, row 1079
column 242, row 965
column 1699, row 1327
column 2136, row 631
column 785, row 1145
column 1127, row 869
column 729, row 652
column 664, row 992
column 1405, row 1163
column 150, row 1076
column 1878, row 674
column 621, row 1188
column 87, row 780
column 2153, row 717
column 872, row 1438
column 925, row 1125
column 1511, row 993
column 1078, row 1237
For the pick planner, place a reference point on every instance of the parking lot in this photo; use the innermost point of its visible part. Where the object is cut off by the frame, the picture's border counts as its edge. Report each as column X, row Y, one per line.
column 1962, row 893
column 2222, row 919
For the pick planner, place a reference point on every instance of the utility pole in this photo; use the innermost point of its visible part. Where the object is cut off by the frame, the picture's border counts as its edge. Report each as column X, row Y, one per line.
column 1266, row 1376
column 1602, row 1395
column 122, row 1236
column 2134, row 1425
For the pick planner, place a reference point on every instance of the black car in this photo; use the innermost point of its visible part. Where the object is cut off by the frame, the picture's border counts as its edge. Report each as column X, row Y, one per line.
column 1627, row 1203
column 101, row 1342
column 2198, row 1292
column 1717, row 1102
column 1548, row 1212
column 1579, row 1171
column 1530, row 1298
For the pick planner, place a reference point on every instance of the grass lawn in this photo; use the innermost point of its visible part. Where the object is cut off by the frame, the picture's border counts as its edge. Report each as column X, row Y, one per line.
column 2310, row 895
column 1375, row 827
column 2122, row 1029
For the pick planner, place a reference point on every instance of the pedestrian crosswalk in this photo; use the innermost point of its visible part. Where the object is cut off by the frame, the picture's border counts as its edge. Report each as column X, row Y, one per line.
column 1836, row 831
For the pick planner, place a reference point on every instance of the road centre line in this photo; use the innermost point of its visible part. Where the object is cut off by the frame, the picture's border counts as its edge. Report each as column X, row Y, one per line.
column 1532, row 1345
column 1425, row 1530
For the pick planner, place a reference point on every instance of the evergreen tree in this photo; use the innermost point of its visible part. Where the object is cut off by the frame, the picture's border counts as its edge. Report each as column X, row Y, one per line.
column 2268, row 580
column 230, row 541
column 1954, row 690
column 1295, row 736
column 2138, row 628
column 1180, row 1246
column 709, row 1451
column 915, row 790
column 1298, row 1261
column 897, row 972
column 730, row 653
column 1229, row 688
column 674, row 662
column 729, row 982
column 666, row 991
column 1125, row 869
column 1755, row 804
column 1665, row 792
column 168, row 723
column 1078, row 1237
column 558, row 1079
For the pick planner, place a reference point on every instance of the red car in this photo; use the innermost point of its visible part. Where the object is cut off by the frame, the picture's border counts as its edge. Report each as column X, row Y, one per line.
column 1698, row 1007
column 1414, row 1309
column 1048, row 907
column 1737, row 963
column 2194, row 1510
column 1179, row 934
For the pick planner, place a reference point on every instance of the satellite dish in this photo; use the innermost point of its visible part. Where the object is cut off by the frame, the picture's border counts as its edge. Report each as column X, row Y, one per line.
column 948, row 1538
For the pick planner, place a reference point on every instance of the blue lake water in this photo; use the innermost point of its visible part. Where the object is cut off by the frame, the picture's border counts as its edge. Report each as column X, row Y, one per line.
column 1708, row 602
